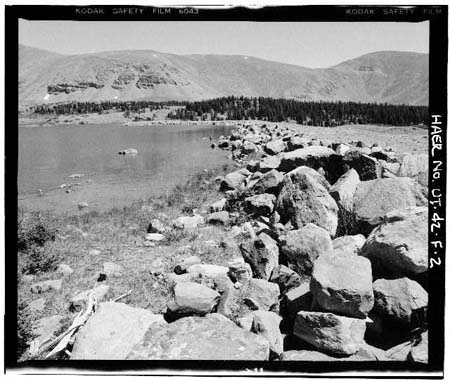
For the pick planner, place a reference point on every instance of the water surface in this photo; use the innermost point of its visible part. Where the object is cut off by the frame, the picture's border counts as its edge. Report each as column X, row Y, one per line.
column 167, row 156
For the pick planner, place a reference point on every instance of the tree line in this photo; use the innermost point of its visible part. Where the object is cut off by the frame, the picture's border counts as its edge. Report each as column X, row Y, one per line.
column 316, row 113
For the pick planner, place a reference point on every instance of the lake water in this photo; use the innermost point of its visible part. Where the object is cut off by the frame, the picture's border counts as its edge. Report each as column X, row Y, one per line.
column 167, row 156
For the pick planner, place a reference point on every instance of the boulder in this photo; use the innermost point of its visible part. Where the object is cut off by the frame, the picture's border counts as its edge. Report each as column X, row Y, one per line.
column 156, row 226
column 181, row 267
column 315, row 157
column 343, row 284
column 218, row 218
column 46, row 286
column 399, row 246
column 401, row 301
column 260, row 204
column 275, row 147
column 303, row 200
column 112, row 332
column 303, row 246
column 261, row 254
column 348, row 244
column 270, row 182
column 374, row 199
column 413, row 165
column 261, row 295
column 248, row 147
column 213, row 337
column 232, row 181
column 334, row 334
column 269, row 163
column 188, row 222
column 342, row 149
column 344, row 190
column 240, row 271
column 295, row 300
column 192, row 299
column 419, row 352
column 244, row 232
column 218, row 206
column 206, row 270
column 154, row 237
column 367, row 167
column 267, row 324
column 285, row 278
column 365, row 353
column 296, row 142
column 316, row 175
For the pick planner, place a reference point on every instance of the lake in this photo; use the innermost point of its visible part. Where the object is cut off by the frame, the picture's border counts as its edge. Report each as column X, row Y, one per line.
column 167, row 156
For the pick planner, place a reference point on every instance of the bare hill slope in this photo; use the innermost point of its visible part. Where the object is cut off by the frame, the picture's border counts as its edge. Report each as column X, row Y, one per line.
column 393, row 77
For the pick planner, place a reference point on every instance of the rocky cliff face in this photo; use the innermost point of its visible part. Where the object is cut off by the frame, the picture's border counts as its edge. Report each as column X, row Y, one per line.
column 392, row 77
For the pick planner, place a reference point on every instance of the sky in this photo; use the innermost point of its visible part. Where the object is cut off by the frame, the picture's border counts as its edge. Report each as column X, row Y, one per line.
column 310, row 44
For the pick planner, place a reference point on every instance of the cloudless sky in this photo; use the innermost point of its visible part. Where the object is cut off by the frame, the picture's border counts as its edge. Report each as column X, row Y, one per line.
column 311, row 44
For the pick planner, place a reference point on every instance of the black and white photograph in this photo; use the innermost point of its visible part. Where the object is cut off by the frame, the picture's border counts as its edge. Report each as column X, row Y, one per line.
column 257, row 190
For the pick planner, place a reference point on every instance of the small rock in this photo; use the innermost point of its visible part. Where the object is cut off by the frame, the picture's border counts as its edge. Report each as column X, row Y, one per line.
column 154, row 237
column 111, row 269
column 186, row 222
column 37, row 305
column 82, row 205
column 206, row 270
column 64, row 269
column 218, row 206
column 267, row 324
column 156, row 226
column 219, row 218
column 94, row 252
column 45, row 286
column 181, row 267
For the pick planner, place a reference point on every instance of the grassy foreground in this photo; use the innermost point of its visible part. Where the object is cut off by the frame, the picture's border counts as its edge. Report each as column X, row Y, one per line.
column 87, row 239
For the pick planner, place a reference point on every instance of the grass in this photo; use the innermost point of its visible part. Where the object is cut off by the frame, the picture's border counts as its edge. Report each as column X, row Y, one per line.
column 47, row 240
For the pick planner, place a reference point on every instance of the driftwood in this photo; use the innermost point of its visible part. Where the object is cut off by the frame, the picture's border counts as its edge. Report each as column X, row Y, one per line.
column 122, row 296
column 60, row 343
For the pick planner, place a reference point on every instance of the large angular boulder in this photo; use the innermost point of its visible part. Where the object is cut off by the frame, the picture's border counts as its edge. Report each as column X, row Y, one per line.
column 374, row 199
column 315, row 157
column 314, row 174
column 296, row 142
column 112, row 332
column 192, row 299
column 331, row 333
column 348, row 244
column 274, row 147
column 260, row 294
column 419, row 352
column 267, row 324
column 285, row 278
column 270, row 182
column 269, row 163
column 213, row 337
column 304, row 200
column 344, row 189
column 248, row 147
column 367, row 167
column 232, row 181
column 343, row 284
column 401, row 301
column 413, row 165
column 303, row 246
column 260, row 204
column 261, row 254
column 399, row 247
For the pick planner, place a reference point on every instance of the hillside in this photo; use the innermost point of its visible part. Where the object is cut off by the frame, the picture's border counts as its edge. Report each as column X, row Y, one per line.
column 392, row 77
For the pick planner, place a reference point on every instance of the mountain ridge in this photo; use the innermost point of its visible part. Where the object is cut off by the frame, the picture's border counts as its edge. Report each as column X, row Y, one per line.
column 382, row 77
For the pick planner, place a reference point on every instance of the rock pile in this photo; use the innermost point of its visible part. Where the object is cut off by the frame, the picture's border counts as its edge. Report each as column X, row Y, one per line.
column 333, row 262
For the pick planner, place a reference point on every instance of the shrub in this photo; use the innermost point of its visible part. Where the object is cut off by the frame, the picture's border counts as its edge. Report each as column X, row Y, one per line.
column 24, row 329
column 34, row 230
column 38, row 259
